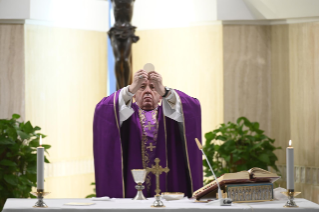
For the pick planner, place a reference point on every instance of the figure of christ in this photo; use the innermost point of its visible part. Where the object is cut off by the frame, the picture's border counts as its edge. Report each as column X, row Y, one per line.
column 161, row 123
column 122, row 36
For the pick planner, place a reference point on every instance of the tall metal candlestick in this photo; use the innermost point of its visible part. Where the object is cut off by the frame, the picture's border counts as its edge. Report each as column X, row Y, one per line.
column 40, row 166
column 290, row 193
column 290, row 167
column 40, row 178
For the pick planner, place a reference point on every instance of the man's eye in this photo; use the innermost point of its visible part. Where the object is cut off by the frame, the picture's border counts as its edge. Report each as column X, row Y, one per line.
column 142, row 87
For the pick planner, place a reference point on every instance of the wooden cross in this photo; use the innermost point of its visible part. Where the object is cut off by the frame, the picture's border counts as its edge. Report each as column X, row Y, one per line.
column 149, row 125
column 151, row 147
column 157, row 170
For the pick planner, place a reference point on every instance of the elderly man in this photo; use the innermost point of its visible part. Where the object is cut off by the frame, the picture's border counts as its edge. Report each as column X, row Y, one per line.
column 131, row 135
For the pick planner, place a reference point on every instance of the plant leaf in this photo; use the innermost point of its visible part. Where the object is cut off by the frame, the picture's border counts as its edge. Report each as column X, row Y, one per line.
column 23, row 135
column 37, row 128
column 6, row 162
column 15, row 116
column 12, row 133
column 255, row 146
column 5, row 141
column 28, row 127
column 264, row 158
column 209, row 136
column 12, row 179
column 46, row 146
column 34, row 143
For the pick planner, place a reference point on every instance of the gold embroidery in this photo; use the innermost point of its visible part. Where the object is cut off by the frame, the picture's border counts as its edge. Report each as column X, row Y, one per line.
column 149, row 125
column 164, row 122
column 154, row 117
column 145, row 155
column 144, row 139
column 151, row 147
column 145, row 158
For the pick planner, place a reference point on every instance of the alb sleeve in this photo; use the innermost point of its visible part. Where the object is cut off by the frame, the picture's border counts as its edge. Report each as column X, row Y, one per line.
column 172, row 107
column 125, row 101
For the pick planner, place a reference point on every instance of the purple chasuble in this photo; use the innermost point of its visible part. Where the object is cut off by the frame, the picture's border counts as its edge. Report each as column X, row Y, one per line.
column 146, row 135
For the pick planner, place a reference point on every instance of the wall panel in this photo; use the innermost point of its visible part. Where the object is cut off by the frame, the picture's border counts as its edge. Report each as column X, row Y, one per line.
column 247, row 72
column 65, row 78
column 11, row 70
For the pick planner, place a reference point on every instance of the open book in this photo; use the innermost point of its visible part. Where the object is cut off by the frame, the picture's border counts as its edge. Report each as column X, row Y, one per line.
column 253, row 175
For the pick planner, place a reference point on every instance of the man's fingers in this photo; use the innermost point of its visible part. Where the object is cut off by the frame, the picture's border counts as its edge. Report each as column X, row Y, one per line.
column 151, row 72
column 140, row 72
column 141, row 75
column 156, row 77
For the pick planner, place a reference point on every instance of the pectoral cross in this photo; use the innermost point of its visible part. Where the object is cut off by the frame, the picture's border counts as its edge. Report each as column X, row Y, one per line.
column 149, row 125
column 157, row 170
column 151, row 147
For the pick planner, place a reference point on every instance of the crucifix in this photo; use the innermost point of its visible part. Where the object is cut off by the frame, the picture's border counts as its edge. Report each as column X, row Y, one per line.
column 157, row 170
column 149, row 125
column 151, row 147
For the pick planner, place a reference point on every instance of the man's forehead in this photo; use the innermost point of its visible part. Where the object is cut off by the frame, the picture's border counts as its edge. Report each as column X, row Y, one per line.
column 147, row 82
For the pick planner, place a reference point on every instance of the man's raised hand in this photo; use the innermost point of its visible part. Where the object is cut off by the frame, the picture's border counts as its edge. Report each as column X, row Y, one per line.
column 139, row 77
column 156, row 79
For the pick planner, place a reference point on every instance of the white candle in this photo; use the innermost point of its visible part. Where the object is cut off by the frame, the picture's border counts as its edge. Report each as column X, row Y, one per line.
column 40, row 166
column 290, row 167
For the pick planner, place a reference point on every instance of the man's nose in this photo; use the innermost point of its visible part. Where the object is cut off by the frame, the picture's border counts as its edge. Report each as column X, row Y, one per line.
column 147, row 89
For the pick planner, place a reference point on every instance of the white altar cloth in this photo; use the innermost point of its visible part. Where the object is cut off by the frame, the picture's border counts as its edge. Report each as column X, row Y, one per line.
column 121, row 205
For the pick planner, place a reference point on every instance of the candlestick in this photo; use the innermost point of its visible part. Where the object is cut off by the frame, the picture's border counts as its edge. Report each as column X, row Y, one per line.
column 40, row 166
column 40, row 178
column 291, row 196
column 40, row 194
column 290, row 167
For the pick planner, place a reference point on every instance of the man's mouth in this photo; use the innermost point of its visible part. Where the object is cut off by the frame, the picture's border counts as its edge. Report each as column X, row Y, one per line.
column 147, row 97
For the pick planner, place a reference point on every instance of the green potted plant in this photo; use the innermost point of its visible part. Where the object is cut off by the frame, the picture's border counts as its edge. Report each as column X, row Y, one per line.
column 18, row 160
column 238, row 146
column 94, row 192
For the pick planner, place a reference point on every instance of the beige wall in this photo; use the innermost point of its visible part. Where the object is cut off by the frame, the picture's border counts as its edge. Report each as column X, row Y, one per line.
column 189, row 59
column 11, row 70
column 247, row 82
column 65, row 77
column 295, row 90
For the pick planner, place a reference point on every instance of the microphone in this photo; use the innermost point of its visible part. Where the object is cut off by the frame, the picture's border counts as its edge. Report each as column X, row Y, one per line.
column 222, row 201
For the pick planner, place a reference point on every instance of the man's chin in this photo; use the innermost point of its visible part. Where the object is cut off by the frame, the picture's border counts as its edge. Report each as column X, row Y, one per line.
column 148, row 106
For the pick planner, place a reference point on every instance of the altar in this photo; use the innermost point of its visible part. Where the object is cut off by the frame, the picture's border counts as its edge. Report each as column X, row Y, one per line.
column 119, row 205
